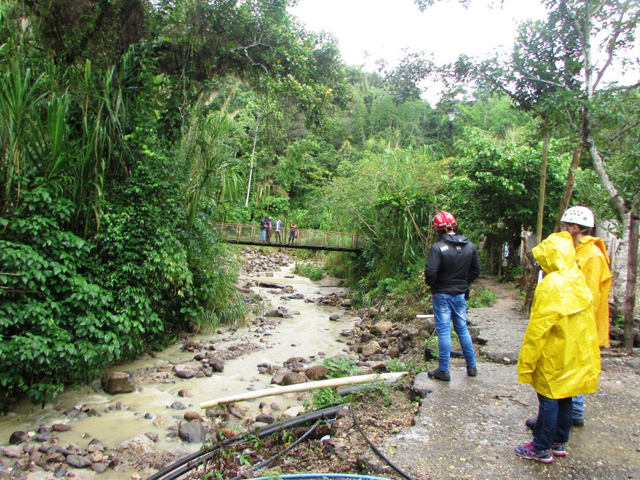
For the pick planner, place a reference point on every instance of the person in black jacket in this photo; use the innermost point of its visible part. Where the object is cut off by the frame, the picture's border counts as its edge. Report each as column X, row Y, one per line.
column 452, row 265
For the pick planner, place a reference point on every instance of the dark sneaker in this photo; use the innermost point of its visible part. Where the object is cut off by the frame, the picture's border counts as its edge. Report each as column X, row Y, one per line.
column 558, row 450
column 472, row 371
column 530, row 452
column 578, row 422
column 531, row 422
column 439, row 375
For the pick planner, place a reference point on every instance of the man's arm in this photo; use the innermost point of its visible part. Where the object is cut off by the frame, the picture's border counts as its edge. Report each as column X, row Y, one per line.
column 474, row 268
column 432, row 266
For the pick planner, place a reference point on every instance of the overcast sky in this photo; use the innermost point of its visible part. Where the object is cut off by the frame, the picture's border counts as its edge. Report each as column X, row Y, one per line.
column 385, row 27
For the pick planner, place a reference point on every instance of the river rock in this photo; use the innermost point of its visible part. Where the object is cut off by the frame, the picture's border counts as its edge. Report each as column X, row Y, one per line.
column 78, row 461
column 99, row 467
column 61, row 427
column 278, row 377
column 192, row 432
column 118, row 382
column 394, row 352
column 293, row 411
column 185, row 393
column 317, row 372
column 18, row 436
column 137, row 446
column 191, row 416
column 43, row 437
column 366, row 336
column 13, row 451
column 178, row 406
column 381, row 328
column 294, row 378
column 153, row 436
column 371, row 348
column 265, row 418
column 216, row 364
column 335, row 317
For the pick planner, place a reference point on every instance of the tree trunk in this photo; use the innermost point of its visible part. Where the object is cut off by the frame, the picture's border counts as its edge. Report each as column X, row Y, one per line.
column 543, row 185
column 632, row 272
column 568, row 188
column 619, row 271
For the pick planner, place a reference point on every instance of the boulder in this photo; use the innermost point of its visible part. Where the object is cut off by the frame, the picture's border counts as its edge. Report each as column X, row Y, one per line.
column 293, row 378
column 317, row 372
column 192, row 432
column 265, row 418
column 118, row 382
column 371, row 348
column 381, row 328
column 18, row 437
column 191, row 416
column 293, row 411
column 137, row 446
column 61, row 427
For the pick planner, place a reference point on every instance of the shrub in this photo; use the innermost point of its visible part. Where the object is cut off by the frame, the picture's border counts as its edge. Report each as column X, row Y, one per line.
column 482, row 297
column 56, row 327
column 313, row 272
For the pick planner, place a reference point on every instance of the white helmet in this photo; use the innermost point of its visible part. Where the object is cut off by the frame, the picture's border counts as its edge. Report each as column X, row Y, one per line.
column 580, row 216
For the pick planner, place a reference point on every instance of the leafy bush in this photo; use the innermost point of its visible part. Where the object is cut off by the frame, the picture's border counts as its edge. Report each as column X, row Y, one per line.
column 323, row 397
column 313, row 272
column 56, row 326
column 340, row 367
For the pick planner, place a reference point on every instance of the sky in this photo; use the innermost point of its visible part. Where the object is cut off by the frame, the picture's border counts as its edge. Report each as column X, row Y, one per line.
column 385, row 27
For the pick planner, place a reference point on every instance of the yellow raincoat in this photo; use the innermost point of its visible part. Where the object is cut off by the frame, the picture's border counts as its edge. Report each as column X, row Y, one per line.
column 592, row 258
column 560, row 356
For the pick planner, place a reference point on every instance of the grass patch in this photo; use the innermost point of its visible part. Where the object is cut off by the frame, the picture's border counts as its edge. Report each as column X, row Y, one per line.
column 482, row 297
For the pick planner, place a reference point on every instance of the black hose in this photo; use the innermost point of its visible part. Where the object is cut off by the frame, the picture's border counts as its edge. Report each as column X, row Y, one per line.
column 263, row 464
column 205, row 454
column 373, row 447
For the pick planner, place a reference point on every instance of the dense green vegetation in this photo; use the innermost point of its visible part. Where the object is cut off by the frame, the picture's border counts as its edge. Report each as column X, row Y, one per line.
column 127, row 127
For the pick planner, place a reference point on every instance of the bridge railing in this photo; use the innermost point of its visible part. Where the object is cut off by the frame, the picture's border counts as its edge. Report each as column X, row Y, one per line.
column 241, row 233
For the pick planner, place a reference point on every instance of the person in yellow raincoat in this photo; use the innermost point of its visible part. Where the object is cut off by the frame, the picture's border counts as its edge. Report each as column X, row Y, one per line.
column 560, row 356
column 593, row 261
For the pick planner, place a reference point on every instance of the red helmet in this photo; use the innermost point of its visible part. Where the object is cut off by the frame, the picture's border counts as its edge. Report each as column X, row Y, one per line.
column 444, row 220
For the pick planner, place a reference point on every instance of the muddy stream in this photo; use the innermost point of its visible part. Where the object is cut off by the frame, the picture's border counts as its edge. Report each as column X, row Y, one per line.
column 113, row 419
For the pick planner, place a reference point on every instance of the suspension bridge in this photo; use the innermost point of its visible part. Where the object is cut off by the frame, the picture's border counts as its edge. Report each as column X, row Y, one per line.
column 308, row 239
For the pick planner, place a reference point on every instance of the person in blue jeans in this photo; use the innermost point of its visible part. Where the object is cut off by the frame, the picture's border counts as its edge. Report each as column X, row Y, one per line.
column 452, row 265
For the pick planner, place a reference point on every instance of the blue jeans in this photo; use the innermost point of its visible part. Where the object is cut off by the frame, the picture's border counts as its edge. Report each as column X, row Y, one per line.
column 263, row 234
column 554, row 422
column 578, row 407
column 447, row 308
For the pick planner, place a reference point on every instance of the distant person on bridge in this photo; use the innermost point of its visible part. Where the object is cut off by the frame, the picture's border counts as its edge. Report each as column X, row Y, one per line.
column 264, row 225
column 269, row 229
column 278, row 230
column 559, row 356
column 293, row 233
column 452, row 265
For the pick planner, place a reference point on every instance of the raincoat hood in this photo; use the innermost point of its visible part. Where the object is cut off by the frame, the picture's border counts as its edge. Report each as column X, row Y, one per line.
column 555, row 253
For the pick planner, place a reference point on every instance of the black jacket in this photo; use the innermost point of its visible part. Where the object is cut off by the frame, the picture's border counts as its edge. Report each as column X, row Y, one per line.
column 452, row 265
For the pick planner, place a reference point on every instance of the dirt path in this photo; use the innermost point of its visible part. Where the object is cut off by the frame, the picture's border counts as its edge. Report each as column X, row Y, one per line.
column 468, row 428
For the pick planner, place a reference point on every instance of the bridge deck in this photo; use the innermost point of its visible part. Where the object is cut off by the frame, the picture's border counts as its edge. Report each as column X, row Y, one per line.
column 309, row 239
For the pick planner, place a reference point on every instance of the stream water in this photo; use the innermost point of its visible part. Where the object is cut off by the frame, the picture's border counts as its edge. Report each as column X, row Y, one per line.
column 121, row 417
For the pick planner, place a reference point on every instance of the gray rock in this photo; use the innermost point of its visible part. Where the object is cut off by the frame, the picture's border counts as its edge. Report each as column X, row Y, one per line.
column 371, row 348
column 137, row 446
column 153, row 436
column 192, row 432
column 43, row 437
column 78, row 461
column 118, row 382
column 185, row 373
column 265, row 418
column 178, row 406
column 335, row 317
column 421, row 385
